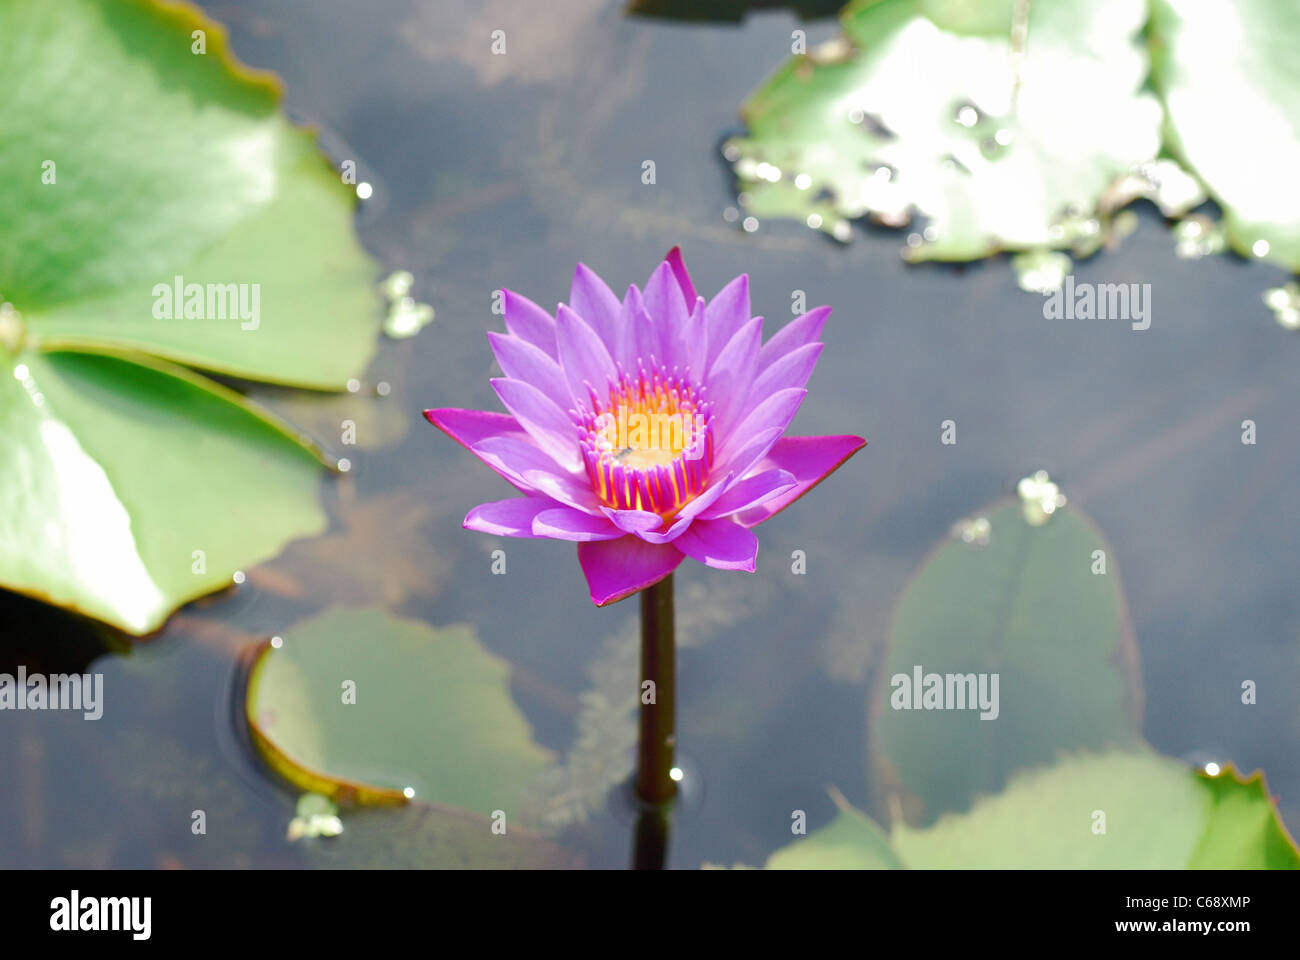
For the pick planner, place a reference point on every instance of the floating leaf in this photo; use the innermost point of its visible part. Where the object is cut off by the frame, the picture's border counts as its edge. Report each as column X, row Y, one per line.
column 432, row 711
column 151, row 162
column 130, row 485
column 1230, row 80
column 128, row 488
column 921, row 108
column 1021, row 604
column 1116, row 810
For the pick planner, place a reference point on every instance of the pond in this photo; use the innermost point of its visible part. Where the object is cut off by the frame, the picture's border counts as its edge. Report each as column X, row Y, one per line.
column 504, row 171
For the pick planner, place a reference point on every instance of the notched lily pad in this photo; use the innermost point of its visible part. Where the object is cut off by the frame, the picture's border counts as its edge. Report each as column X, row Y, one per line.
column 159, row 211
column 1034, row 614
column 939, row 109
column 370, row 709
column 1115, row 810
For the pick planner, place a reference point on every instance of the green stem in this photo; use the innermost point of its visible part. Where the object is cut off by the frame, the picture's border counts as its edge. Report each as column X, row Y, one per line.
column 654, row 782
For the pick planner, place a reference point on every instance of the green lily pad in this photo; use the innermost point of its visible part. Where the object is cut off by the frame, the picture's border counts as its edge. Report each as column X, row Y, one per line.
column 917, row 110
column 1230, row 81
column 131, row 486
column 1116, row 810
column 139, row 160
column 169, row 163
column 430, row 711
column 1017, row 601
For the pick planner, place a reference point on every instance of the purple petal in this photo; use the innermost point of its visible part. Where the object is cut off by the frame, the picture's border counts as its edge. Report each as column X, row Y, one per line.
column 686, row 515
column 592, row 300
column 723, row 544
column 634, row 521
column 527, row 321
column 552, row 428
column 775, row 412
column 618, row 568
column 563, row 523
column 750, row 492
column 640, row 336
column 748, row 454
column 508, row 518
column 693, row 347
column 810, row 460
column 799, row 332
column 682, row 275
column 468, row 427
column 726, row 314
column 732, row 375
column 792, row 370
column 668, row 309
column 520, row 461
column 584, row 357
column 521, row 360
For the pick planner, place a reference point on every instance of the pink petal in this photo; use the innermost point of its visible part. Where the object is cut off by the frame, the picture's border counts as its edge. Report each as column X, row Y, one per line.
column 619, row 568
column 810, row 460
column 682, row 275
column 726, row 313
column 550, row 427
column 592, row 300
column 521, row 360
column 634, row 521
column 521, row 462
column 564, row 523
column 774, row 413
column 799, row 332
column 584, row 357
column 723, row 544
column 468, row 427
column 732, row 375
column 527, row 321
column 792, row 370
column 668, row 309
column 508, row 518
column 640, row 335
column 750, row 492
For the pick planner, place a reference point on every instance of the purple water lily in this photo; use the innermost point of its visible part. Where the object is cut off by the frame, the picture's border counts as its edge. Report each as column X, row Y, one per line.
column 647, row 430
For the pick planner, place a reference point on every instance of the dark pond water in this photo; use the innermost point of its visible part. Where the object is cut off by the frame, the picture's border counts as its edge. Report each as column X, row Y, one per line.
column 505, row 171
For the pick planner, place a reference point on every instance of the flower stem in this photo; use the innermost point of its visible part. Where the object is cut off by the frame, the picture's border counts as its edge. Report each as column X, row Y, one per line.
column 654, row 782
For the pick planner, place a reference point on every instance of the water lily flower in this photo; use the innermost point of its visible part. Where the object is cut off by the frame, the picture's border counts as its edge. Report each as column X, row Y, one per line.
column 649, row 429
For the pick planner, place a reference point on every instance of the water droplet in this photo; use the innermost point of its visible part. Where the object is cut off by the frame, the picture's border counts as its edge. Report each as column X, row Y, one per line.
column 1041, row 271
column 382, row 388
column 238, row 577
column 1285, row 304
column 21, row 372
column 815, row 220
column 365, row 190
column 750, row 224
column 277, row 642
column 354, row 385
column 1039, row 498
column 1260, row 248
column 731, row 214
column 842, row 231
column 803, row 181
column 967, row 115
column 731, row 152
column 975, row 531
column 344, row 465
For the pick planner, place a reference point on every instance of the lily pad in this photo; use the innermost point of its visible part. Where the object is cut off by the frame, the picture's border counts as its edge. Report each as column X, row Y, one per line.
column 1019, row 603
column 1117, row 810
column 1230, row 81
column 130, row 486
column 359, row 706
column 139, row 160
column 920, row 108
column 151, row 161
